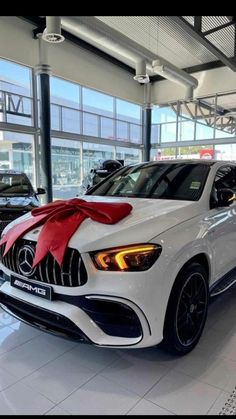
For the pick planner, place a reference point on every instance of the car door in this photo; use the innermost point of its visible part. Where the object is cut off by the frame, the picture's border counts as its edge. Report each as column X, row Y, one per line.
column 222, row 231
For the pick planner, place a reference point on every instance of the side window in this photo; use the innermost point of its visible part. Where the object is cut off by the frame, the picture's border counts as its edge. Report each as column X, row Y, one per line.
column 225, row 178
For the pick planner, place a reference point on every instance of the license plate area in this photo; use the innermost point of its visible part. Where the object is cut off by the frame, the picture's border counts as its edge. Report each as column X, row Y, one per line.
column 42, row 291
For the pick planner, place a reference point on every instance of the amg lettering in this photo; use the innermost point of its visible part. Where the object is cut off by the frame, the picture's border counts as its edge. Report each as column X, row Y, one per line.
column 29, row 287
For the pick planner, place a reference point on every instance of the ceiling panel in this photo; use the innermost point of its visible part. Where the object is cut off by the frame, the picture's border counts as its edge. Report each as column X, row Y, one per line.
column 161, row 36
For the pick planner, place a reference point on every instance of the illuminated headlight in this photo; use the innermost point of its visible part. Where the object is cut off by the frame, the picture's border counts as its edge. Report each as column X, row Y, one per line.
column 128, row 258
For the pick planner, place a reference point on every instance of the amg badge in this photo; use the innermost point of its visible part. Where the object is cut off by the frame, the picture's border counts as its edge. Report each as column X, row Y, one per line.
column 43, row 291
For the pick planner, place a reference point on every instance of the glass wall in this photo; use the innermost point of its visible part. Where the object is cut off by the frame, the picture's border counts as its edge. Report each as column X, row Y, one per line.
column 188, row 152
column 65, row 105
column 98, row 103
column 16, row 105
column 129, row 155
column 78, row 114
column 94, row 154
column 66, row 167
column 16, row 153
column 85, row 111
column 225, row 152
column 167, row 127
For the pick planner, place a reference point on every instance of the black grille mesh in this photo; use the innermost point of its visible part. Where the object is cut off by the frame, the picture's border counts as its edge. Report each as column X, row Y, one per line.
column 71, row 274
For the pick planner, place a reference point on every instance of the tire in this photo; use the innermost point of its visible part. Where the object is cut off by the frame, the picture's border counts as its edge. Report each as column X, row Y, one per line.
column 187, row 310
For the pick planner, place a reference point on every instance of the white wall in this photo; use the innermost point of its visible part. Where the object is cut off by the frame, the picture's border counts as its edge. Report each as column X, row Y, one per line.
column 211, row 81
column 67, row 61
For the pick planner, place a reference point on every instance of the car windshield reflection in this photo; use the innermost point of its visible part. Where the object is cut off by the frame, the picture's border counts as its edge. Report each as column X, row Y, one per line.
column 178, row 181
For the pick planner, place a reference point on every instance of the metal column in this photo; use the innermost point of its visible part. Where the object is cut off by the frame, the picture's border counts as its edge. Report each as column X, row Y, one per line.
column 43, row 71
column 147, row 123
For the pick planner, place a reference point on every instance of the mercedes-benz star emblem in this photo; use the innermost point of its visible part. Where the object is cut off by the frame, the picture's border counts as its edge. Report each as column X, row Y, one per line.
column 25, row 260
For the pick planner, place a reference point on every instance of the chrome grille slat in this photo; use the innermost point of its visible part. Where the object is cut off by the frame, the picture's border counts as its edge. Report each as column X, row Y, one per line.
column 46, row 269
column 79, row 270
column 54, row 271
column 8, row 255
column 71, row 274
column 70, row 267
column 40, row 273
column 62, row 276
column 13, row 257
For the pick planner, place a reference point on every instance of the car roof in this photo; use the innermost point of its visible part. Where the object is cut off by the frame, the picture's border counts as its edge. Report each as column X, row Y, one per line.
column 185, row 161
column 10, row 172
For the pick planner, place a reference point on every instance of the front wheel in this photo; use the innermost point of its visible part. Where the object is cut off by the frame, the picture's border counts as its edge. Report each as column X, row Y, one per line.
column 187, row 310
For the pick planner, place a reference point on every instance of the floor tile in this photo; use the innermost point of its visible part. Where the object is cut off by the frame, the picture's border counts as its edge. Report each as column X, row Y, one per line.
column 6, row 380
column 182, row 394
column 21, row 400
column 10, row 338
column 219, row 404
column 59, row 378
column 57, row 411
column 136, row 374
column 32, row 355
column 21, row 326
column 7, row 319
column 144, row 407
column 214, row 342
column 218, row 372
column 100, row 397
column 93, row 357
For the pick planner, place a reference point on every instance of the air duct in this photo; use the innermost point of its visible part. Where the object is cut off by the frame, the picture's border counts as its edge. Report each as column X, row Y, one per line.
column 141, row 72
column 52, row 32
column 123, row 48
column 170, row 72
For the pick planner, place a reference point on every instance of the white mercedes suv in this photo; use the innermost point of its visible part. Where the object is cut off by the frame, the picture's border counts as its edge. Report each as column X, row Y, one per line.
column 139, row 281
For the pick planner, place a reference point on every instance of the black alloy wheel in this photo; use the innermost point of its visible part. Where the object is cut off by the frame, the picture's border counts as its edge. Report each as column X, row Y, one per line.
column 187, row 310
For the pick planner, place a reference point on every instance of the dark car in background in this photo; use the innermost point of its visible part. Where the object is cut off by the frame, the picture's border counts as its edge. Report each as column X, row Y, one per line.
column 17, row 196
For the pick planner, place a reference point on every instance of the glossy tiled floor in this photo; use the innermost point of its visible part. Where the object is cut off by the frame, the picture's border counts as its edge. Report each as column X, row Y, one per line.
column 42, row 374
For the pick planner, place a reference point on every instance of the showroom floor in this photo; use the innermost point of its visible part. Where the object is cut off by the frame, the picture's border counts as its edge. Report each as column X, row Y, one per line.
column 43, row 374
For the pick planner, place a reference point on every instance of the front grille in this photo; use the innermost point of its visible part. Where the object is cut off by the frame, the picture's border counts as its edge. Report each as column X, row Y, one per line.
column 71, row 274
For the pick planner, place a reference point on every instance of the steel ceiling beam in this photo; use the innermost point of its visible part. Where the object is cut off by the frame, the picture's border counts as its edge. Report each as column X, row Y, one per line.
column 218, row 28
column 198, row 36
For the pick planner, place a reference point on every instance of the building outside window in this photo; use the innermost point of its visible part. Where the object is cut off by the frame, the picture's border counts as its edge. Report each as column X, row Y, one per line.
column 66, row 168
column 129, row 155
column 94, row 154
column 16, row 104
column 16, row 153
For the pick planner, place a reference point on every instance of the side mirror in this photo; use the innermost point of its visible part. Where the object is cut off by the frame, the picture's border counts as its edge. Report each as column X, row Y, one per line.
column 225, row 197
column 40, row 191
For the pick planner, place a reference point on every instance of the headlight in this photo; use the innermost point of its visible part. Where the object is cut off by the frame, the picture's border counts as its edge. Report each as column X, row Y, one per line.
column 129, row 258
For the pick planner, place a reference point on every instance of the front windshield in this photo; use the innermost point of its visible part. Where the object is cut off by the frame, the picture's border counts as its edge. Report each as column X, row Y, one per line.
column 14, row 185
column 180, row 181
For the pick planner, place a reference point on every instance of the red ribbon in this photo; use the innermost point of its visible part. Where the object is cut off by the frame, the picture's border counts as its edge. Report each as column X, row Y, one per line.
column 60, row 220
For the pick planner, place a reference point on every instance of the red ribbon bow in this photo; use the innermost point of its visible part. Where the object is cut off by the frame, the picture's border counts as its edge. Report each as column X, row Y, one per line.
column 61, row 219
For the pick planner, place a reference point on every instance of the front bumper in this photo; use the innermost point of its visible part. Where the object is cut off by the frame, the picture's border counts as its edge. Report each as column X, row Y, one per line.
column 84, row 323
column 112, row 309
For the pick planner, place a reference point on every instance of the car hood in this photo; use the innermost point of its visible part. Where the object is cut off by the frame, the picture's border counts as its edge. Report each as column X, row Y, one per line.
column 148, row 219
column 18, row 201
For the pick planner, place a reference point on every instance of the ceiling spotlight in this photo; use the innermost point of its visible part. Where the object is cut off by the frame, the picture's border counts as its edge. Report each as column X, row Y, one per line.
column 142, row 78
column 52, row 32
